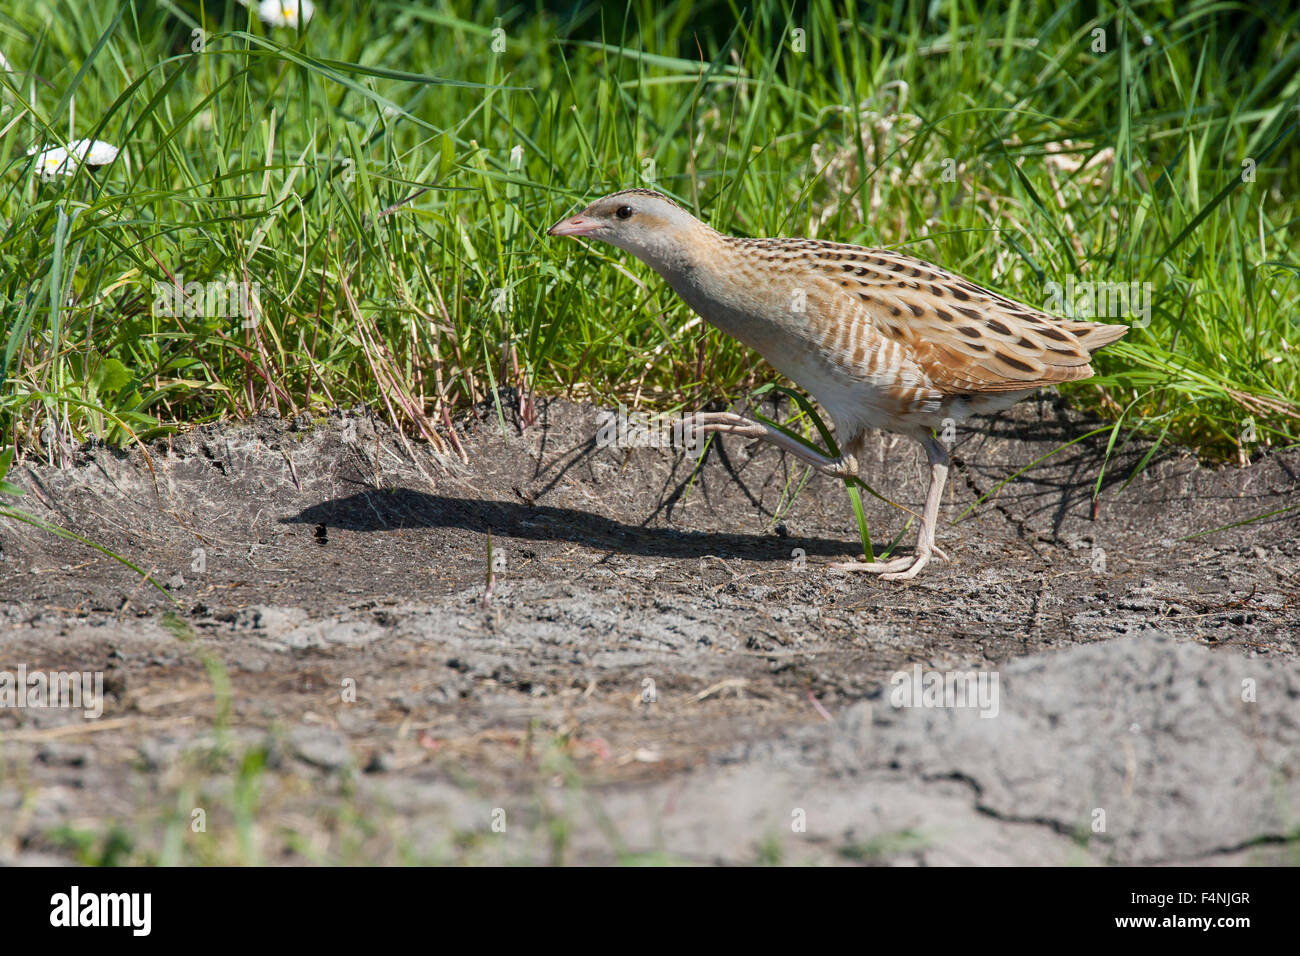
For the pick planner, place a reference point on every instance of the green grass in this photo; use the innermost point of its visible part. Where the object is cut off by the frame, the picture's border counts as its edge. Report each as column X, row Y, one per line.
column 381, row 173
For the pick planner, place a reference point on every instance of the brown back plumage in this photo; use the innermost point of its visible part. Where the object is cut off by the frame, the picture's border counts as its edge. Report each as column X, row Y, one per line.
column 964, row 337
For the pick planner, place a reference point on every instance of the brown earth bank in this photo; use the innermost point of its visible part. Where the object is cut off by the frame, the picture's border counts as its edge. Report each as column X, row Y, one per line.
column 663, row 666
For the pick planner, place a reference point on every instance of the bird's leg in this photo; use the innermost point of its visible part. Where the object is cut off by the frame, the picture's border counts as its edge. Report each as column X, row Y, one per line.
column 906, row 568
column 730, row 423
column 846, row 466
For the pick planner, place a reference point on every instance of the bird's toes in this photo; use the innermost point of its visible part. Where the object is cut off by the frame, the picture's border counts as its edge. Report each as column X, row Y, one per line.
column 901, row 575
column 872, row 567
column 922, row 559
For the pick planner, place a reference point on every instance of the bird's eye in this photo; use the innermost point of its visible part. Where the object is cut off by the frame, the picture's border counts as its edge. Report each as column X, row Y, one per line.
column 624, row 212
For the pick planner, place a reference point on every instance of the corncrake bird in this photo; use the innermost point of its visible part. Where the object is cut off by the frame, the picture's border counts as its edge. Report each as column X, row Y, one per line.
column 880, row 340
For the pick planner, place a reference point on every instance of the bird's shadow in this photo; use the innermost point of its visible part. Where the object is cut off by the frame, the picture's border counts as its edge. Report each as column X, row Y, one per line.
column 386, row 510
column 405, row 508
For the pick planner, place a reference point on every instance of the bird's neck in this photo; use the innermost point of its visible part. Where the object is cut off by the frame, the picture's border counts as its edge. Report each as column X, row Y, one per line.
column 687, row 259
column 713, row 277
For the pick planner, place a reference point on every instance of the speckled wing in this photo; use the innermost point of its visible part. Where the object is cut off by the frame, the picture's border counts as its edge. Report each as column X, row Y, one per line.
column 963, row 337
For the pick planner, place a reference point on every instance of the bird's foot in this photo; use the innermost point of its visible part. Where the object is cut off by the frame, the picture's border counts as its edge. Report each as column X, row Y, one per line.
column 873, row 567
column 898, row 569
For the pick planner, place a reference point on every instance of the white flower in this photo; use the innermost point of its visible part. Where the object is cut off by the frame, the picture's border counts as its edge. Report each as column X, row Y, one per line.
column 284, row 13
column 57, row 161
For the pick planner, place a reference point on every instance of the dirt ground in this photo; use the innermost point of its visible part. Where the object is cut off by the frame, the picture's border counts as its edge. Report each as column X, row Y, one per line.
column 663, row 668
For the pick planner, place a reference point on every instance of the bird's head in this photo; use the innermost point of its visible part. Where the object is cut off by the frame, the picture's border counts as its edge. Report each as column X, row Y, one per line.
column 647, row 224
